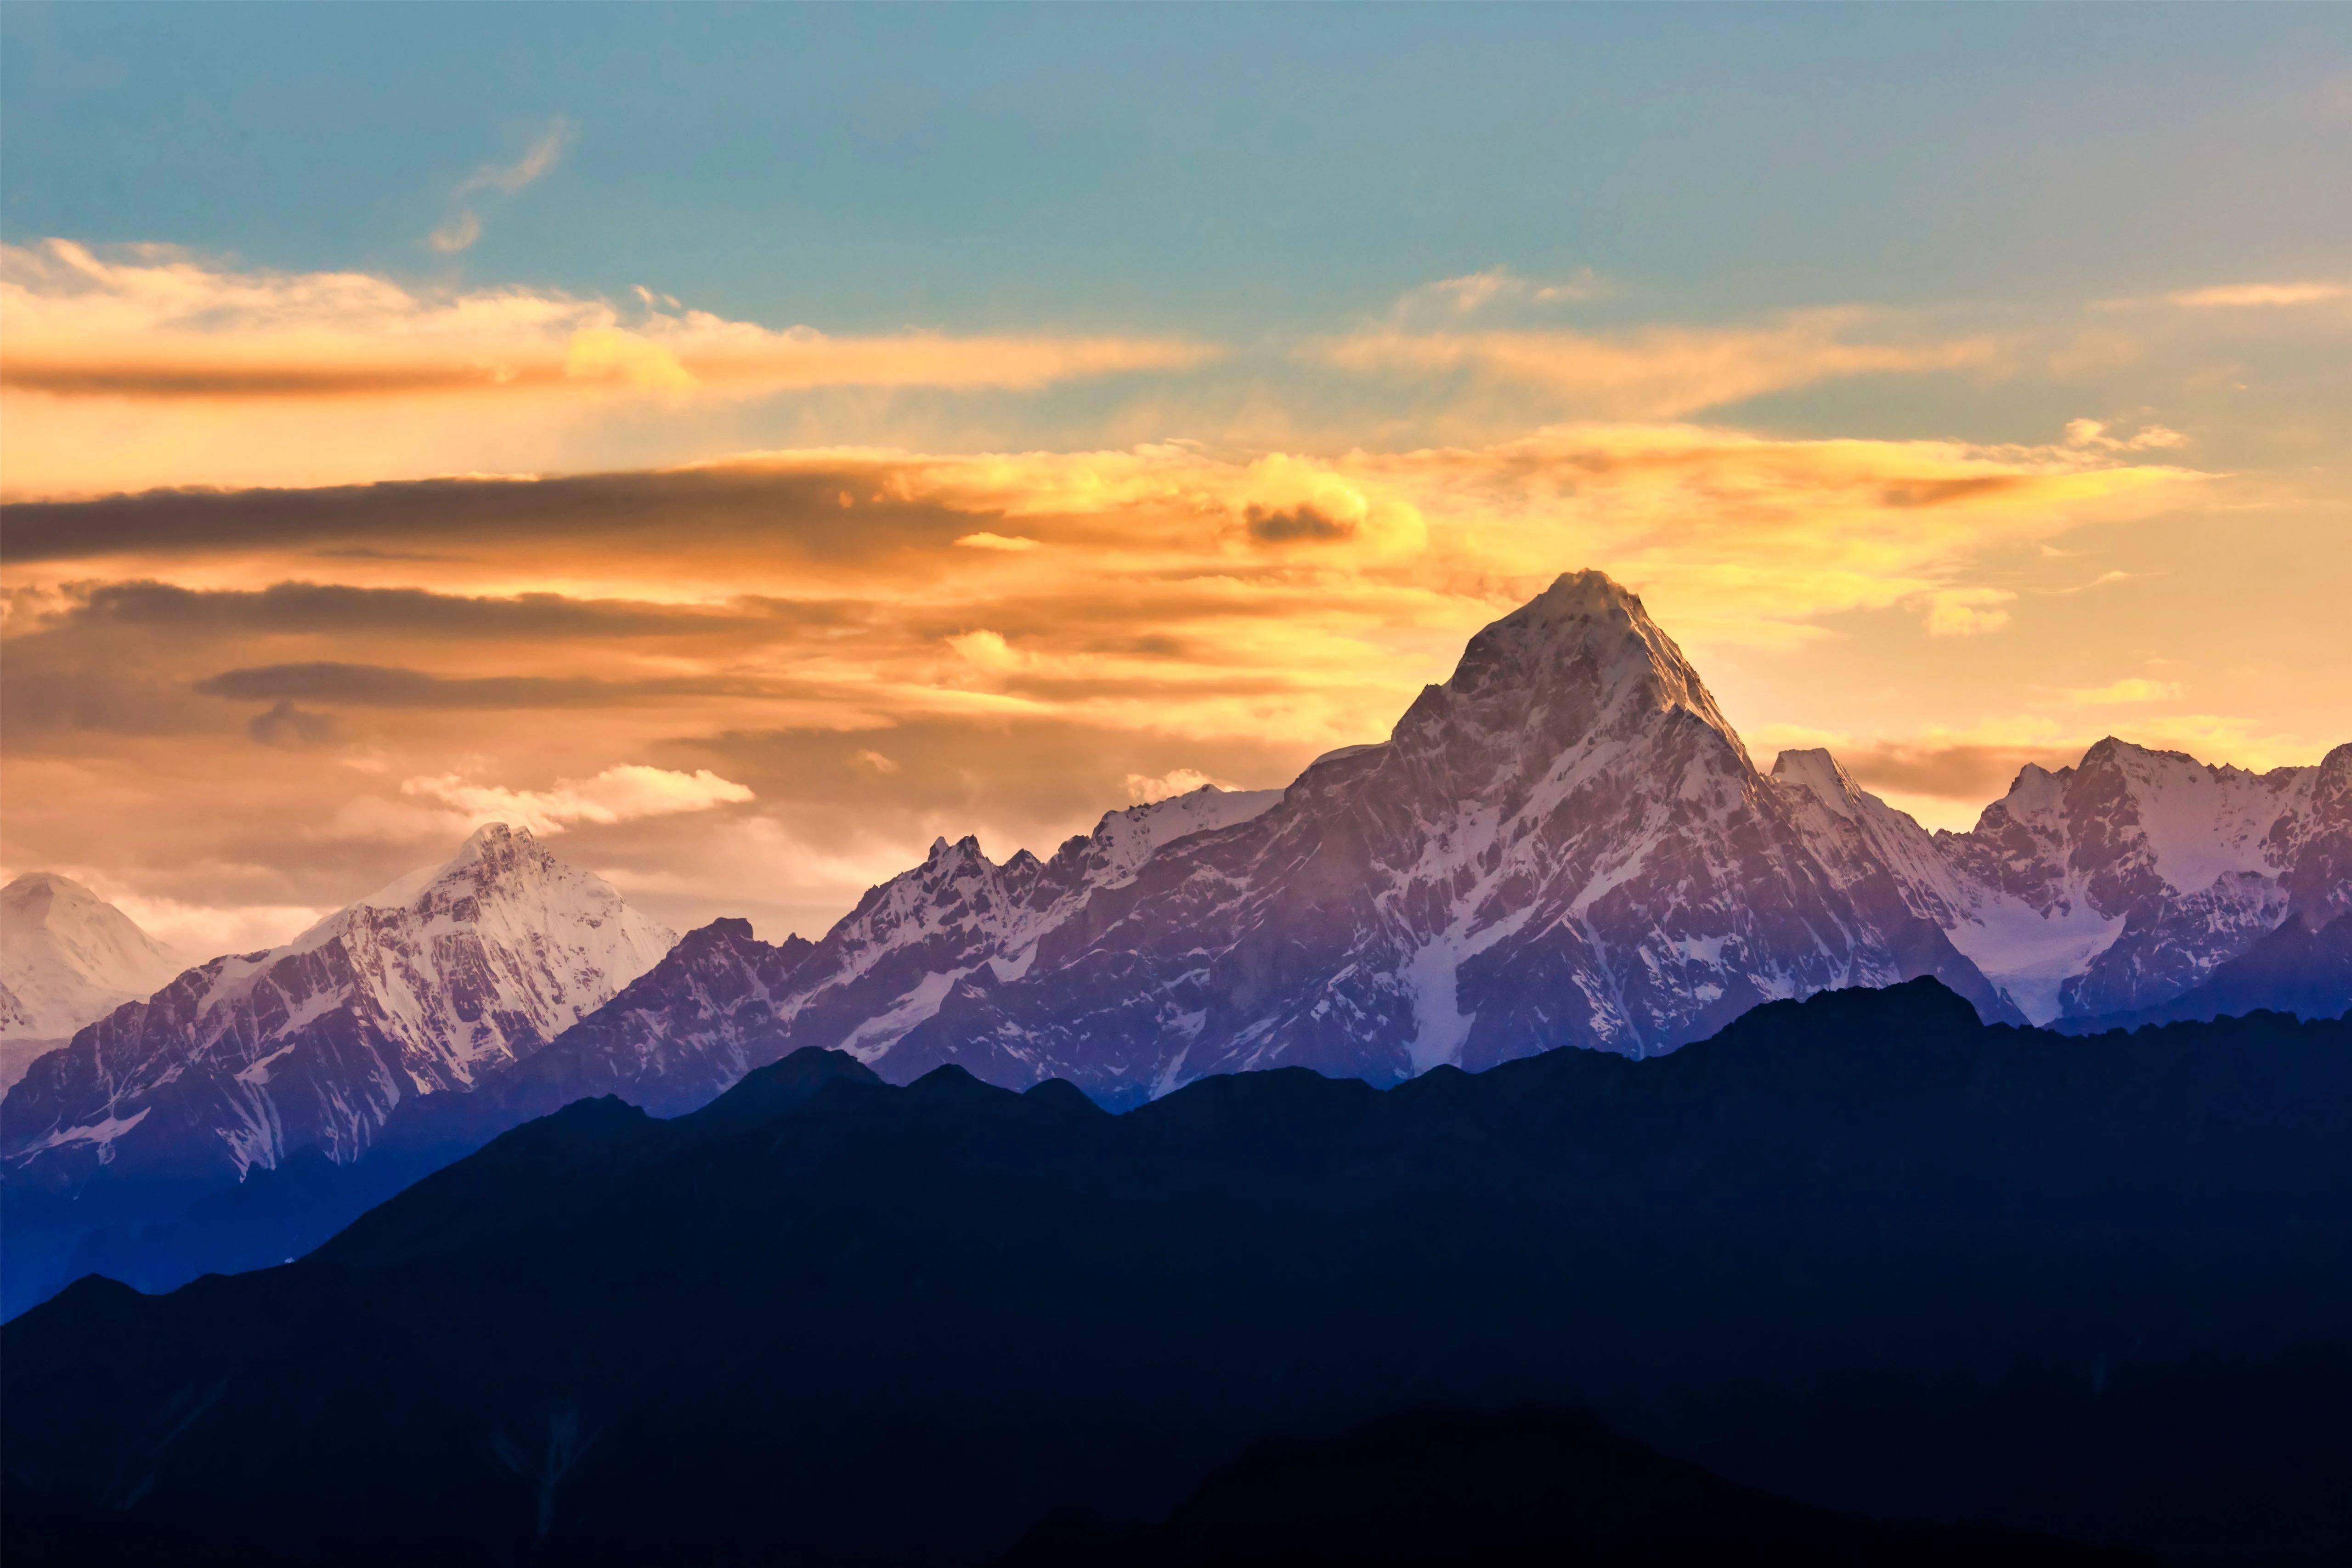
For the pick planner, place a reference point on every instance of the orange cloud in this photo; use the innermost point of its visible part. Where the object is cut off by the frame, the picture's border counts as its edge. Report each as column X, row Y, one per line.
column 621, row 793
column 1160, row 586
column 2095, row 434
column 162, row 325
column 2230, row 296
column 2130, row 689
column 149, row 365
column 1967, row 612
column 1141, row 789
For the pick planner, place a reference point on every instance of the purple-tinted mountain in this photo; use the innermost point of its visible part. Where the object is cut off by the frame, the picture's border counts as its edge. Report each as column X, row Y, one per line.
column 2293, row 969
column 723, row 1002
column 424, row 987
column 1563, row 844
column 2118, row 884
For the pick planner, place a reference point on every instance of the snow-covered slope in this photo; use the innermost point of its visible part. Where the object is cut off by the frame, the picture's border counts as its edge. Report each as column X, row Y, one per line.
column 68, row 957
column 420, row 988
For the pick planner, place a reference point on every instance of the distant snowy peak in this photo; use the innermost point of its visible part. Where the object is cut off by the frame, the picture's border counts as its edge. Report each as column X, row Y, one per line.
column 69, row 957
column 420, row 988
column 506, row 889
column 2139, row 817
column 2118, row 883
column 2107, row 887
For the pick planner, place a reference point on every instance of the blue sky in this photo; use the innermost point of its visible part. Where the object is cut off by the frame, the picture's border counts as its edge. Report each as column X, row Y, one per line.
column 1226, row 169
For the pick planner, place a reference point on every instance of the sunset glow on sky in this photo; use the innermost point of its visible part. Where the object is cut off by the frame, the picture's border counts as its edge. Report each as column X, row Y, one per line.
column 750, row 444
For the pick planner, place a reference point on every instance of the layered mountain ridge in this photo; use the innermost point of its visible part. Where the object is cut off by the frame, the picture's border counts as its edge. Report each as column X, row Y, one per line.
column 1564, row 844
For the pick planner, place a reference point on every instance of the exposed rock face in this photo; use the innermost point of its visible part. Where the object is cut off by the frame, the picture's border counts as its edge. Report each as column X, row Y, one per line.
column 421, row 989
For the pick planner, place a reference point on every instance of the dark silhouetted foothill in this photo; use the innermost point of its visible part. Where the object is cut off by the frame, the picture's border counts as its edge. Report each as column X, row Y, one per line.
column 1534, row 1484
column 1862, row 1251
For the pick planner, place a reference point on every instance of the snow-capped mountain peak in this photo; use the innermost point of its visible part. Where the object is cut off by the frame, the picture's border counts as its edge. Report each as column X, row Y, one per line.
column 68, row 956
column 418, row 988
column 1580, row 656
column 1822, row 775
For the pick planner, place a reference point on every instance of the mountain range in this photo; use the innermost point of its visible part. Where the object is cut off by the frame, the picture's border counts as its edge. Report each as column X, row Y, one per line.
column 1564, row 844
column 423, row 987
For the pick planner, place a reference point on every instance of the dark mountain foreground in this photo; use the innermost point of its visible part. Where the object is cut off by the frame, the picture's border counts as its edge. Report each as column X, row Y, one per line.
column 827, row 1316
column 1433, row 1485
column 1532, row 1484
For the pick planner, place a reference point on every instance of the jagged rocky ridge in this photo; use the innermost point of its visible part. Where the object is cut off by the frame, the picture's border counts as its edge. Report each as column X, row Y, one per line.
column 1565, row 844
column 725, row 1002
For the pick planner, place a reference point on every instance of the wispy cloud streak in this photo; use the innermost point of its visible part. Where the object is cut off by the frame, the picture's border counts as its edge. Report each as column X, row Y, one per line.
column 464, row 225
